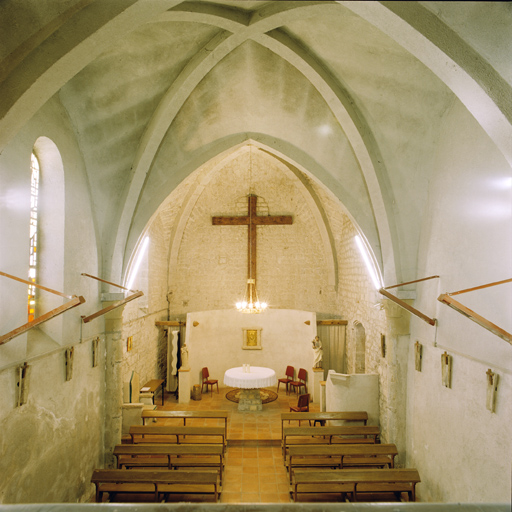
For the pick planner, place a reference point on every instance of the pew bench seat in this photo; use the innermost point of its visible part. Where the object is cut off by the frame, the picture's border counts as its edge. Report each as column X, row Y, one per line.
column 170, row 456
column 168, row 434
column 355, row 482
column 332, row 435
column 340, row 456
column 158, row 483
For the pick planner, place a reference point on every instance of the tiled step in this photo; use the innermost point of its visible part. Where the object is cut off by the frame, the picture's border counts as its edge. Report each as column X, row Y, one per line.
column 254, row 442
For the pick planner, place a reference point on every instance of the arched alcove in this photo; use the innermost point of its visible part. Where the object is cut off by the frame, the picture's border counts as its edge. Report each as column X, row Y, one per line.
column 360, row 335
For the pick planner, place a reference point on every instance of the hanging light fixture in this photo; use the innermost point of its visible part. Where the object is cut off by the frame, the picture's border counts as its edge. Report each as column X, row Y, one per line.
column 251, row 303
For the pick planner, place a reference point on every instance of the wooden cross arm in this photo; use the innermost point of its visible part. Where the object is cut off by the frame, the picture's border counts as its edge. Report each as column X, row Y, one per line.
column 245, row 220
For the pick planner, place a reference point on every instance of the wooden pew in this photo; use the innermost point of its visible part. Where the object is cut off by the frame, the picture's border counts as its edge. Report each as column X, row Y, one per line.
column 140, row 433
column 307, row 435
column 154, row 482
column 170, row 456
column 151, row 389
column 186, row 415
column 355, row 481
column 340, row 455
column 322, row 417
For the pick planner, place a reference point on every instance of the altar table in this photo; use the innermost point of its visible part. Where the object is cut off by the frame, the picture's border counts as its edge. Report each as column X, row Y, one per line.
column 249, row 384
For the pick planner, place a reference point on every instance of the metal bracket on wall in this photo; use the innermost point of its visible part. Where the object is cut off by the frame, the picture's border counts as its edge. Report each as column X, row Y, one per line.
column 448, row 300
column 404, row 305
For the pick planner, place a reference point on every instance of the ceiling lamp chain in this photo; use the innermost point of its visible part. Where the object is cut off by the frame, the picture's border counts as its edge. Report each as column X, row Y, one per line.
column 251, row 303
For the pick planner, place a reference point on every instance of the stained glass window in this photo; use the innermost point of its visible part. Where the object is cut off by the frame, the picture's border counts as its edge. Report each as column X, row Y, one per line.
column 32, row 272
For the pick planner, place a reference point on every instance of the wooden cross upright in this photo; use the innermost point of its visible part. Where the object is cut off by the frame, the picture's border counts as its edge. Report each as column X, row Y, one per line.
column 252, row 220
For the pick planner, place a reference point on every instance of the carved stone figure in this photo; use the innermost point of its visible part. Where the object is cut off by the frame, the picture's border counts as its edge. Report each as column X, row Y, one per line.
column 184, row 357
column 317, row 349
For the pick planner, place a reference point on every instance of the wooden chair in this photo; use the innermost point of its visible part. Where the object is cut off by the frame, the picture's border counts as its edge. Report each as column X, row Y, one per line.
column 290, row 371
column 302, row 405
column 300, row 382
column 208, row 382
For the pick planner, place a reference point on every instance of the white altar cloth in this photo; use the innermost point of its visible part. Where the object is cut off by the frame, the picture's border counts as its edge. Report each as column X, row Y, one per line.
column 258, row 377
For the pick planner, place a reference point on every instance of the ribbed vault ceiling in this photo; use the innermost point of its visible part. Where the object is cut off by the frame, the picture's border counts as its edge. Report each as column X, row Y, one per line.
column 154, row 91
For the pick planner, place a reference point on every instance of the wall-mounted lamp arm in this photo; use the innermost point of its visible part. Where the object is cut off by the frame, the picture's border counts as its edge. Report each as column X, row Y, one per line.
column 404, row 305
column 75, row 301
column 115, row 305
column 136, row 294
column 448, row 300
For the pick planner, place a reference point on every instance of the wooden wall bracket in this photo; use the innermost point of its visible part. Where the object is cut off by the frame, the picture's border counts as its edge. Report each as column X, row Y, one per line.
column 448, row 300
column 135, row 295
column 403, row 304
column 75, row 301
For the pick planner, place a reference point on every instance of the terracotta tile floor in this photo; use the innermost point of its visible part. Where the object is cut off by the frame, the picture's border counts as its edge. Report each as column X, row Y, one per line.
column 254, row 469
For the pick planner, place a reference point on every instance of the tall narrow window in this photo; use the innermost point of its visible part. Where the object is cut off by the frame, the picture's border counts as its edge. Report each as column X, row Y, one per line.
column 32, row 272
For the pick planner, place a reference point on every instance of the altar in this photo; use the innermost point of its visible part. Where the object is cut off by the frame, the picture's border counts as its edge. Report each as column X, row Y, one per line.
column 250, row 379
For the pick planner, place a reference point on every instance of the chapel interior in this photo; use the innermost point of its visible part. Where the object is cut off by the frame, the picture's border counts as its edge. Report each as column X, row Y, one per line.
column 348, row 163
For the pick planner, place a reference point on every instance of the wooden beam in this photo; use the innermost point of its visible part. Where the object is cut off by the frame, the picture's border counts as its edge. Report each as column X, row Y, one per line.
column 480, row 320
column 331, row 322
column 31, row 283
column 108, row 282
column 480, row 287
column 169, row 323
column 411, row 282
column 404, row 305
column 75, row 301
column 115, row 305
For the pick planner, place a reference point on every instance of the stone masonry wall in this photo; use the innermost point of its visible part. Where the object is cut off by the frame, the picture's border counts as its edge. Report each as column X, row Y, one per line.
column 148, row 354
column 210, row 264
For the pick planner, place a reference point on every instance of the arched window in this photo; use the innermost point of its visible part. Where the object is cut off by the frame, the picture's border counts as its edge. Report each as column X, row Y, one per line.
column 47, row 258
column 34, row 202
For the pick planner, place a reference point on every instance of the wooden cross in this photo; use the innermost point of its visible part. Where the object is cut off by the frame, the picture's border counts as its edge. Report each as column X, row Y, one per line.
column 252, row 220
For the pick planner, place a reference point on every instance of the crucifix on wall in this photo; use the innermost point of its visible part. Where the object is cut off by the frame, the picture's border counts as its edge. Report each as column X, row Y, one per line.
column 251, row 220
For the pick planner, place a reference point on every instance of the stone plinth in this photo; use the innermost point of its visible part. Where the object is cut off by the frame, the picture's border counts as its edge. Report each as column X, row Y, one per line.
column 184, row 386
column 318, row 376
column 250, row 400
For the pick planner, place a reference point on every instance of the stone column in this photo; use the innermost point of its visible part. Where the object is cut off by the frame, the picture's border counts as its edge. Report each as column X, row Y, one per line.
column 393, row 419
column 318, row 376
column 113, row 376
column 322, row 396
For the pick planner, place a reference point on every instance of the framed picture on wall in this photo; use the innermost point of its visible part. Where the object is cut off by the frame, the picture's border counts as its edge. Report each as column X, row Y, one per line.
column 251, row 338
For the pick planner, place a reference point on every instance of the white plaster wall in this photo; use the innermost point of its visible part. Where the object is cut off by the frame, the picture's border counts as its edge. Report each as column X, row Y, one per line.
column 50, row 445
column 216, row 342
column 353, row 392
column 461, row 450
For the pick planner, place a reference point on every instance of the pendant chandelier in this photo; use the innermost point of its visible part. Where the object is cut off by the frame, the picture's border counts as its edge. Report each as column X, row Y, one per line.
column 250, row 302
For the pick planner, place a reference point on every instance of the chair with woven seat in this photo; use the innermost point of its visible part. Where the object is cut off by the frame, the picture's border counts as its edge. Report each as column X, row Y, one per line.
column 290, row 371
column 208, row 382
column 302, row 405
column 300, row 382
